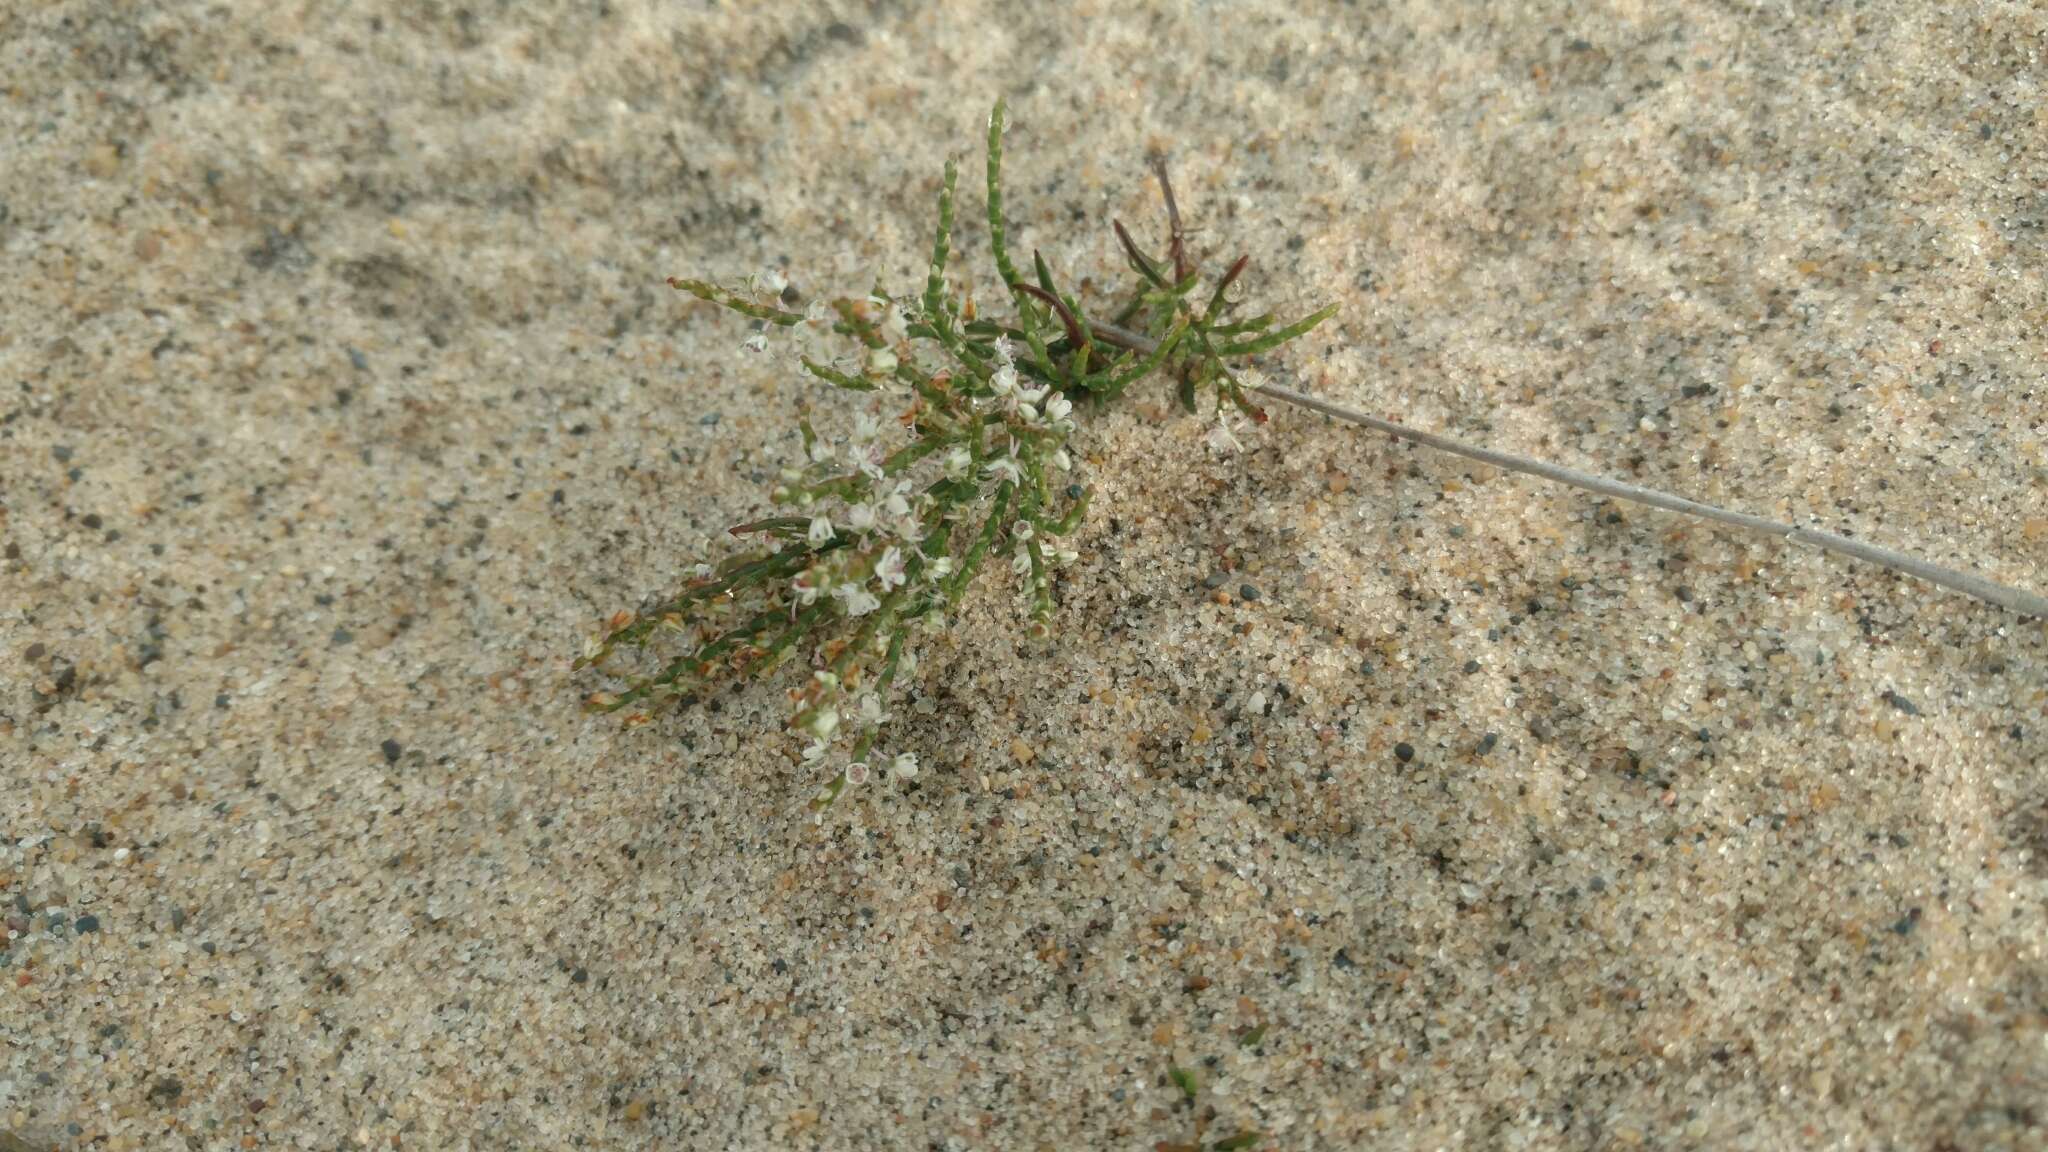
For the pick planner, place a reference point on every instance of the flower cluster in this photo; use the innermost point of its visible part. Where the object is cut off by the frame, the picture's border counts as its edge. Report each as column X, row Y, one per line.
column 962, row 456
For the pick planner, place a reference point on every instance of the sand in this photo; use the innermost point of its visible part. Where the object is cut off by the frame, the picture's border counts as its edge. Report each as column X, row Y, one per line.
column 1402, row 804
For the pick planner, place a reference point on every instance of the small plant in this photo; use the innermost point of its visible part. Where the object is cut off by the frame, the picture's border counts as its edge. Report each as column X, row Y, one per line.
column 961, row 461
column 1190, row 1096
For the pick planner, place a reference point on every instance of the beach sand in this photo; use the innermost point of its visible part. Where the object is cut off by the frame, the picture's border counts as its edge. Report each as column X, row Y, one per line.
column 1404, row 804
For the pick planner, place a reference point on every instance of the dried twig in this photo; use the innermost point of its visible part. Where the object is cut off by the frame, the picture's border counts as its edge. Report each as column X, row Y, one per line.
column 2016, row 599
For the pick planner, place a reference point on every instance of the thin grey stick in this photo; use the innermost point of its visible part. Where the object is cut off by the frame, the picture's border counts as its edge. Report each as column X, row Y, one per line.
column 2016, row 599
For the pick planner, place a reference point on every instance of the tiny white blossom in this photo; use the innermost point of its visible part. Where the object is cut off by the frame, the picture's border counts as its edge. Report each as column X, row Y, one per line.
column 889, row 569
column 895, row 504
column 1003, row 467
column 865, row 429
column 1021, row 562
column 1022, row 530
column 1033, row 395
column 1221, row 438
column 1003, row 381
column 881, row 361
column 871, row 713
column 870, row 463
column 828, row 679
column 821, row 452
column 940, row 568
column 1003, row 350
column 895, row 326
column 817, row 313
column 1062, row 461
column 857, row 600
column 1067, row 556
column 957, row 460
column 823, row 722
column 758, row 342
column 860, row 517
column 856, row 773
column 816, row 751
column 1057, row 407
column 806, row 593
column 904, row 766
column 820, row 533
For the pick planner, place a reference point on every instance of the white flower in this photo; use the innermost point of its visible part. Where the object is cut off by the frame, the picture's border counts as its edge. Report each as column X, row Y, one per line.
column 856, row 600
column 817, row 313
column 904, row 766
column 828, row 679
column 871, row 458
column 871, row 713
column 881, row 361
column 856, row 773
column 865, row 429
column 1021, row 562
column 957, row 460
column 772, row 282
column 821, row 452
column 823, row 722
column 1022, row 530
column 1005, row 468
column 1057, row 407
column 758, row 342
column 889, row 569
column 895, row 504
column 1062, row 461
column 860, row 517
column 1067, row 556
column 1033, row 395
column 806, row 593
column 1003, row 351
column 1003, row 382
column 895, row 326
column 820, row 533
column 940, row 568
column 1221, row 438
column 816, row 751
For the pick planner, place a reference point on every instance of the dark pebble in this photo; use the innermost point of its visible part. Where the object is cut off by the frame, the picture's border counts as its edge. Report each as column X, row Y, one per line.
column 1215, row 579
column 177, row 918
column 62, row 453
column 220, row 701
column 86, row 924
column 709, row 419
column 1404, row 752
column 1901, row 703
column 35, row 651
column 1343, row 960
column 391, row 750
column 1248, row 592
column 360, row 362
column 13, row 550
column 1487, row 742
column 580, row 976
column 167, row 1089
column 1908, row 922
column 1471, row 666
column 1684, row 595
column 92, row 520
column 558, row 497
column 1597, row 883
column 341, row 636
